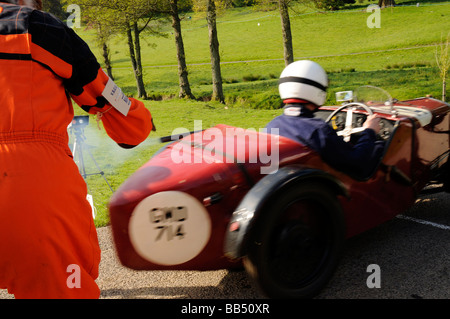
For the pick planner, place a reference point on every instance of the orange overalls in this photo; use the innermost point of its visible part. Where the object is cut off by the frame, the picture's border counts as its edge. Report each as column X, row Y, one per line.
column 48, row 241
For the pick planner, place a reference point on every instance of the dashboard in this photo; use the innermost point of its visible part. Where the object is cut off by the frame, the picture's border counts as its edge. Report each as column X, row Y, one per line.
column 338, row 122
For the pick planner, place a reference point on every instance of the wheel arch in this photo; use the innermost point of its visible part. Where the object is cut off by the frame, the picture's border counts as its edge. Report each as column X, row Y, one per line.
column 253, row 203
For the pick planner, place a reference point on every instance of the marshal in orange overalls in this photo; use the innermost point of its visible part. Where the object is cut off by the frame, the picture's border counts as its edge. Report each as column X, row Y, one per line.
column 47, row 234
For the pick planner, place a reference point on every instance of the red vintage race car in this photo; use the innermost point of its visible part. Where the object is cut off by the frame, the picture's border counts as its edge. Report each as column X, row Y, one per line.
column 226, row 197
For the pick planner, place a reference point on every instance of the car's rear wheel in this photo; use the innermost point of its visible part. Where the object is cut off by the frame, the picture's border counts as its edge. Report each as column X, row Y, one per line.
column 294, row 246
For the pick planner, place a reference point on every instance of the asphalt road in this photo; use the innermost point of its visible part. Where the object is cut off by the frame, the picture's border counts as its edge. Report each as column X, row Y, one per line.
column 413, row 256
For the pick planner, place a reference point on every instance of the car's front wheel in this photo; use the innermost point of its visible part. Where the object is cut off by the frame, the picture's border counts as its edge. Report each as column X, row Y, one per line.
column 295, row 244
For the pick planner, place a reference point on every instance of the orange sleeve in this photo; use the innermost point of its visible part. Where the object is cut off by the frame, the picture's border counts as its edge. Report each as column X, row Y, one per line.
column 131, row 130
column 62, row 51
column 127, row 131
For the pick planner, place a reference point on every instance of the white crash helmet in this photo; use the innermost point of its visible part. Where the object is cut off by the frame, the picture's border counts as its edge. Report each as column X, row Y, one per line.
column 304, row 80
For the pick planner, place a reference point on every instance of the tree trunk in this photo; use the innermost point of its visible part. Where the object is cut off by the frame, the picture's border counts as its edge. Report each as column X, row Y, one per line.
column 287, row 35
column 214, row 51
column 138, row 72
column 107, row 60
column 444, row 90
column 386, row 3
column 131, row 48
column 102, row 38
column 185, row 89
column 139, row 81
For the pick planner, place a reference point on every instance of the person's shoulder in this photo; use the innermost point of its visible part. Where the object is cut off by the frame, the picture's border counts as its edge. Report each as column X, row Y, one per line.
column 274, row 121
column 47, row 30
column 14, row 12
column 44, row 18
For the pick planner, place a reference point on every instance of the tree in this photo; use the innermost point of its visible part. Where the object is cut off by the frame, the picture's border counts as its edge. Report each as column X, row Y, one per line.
column 443, row 63
column 54, row 7
column 134, row 47
column 386, row 3
column 94, row 17
column 128, row 17
column 283, row 7
column 286, row 30
column 134, row 12
column 103, row 38
column 210, row 6
column 214, row 52
column 185, row 89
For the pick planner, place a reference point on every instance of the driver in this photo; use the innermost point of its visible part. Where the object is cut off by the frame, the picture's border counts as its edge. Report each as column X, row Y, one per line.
column 302, row 88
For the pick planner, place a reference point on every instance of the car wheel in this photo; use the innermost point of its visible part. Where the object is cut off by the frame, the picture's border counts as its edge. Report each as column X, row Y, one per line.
column 294, row 246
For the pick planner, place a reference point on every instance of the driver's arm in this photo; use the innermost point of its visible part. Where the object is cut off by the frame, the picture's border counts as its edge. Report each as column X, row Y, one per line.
column 372, row 122
column 357, row 158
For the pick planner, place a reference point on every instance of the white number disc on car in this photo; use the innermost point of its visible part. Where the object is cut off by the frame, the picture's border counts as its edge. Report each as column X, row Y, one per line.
column 169, row 228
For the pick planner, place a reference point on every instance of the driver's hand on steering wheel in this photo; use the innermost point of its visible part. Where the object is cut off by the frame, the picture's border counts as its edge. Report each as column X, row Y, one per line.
column 372, row 122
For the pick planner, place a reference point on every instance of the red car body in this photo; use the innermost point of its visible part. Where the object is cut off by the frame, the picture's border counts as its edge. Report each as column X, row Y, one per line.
column 231, row 192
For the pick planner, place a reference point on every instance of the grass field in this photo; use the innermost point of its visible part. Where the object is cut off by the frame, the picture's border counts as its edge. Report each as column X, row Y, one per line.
column 399, row 56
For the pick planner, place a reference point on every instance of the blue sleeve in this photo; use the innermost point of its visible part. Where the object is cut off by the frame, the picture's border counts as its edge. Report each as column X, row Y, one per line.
column 342, row 155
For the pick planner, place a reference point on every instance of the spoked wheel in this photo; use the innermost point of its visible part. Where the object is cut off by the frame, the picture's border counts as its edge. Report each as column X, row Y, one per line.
column 295, row 245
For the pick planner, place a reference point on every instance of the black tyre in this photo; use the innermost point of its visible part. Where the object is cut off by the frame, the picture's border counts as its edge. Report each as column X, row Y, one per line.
column 295, row 245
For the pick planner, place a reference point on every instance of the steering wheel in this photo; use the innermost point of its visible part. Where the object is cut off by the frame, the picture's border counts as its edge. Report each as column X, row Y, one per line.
column 349, row 129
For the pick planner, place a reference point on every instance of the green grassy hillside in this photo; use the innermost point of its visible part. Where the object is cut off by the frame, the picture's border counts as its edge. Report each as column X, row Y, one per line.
column 340, row 41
